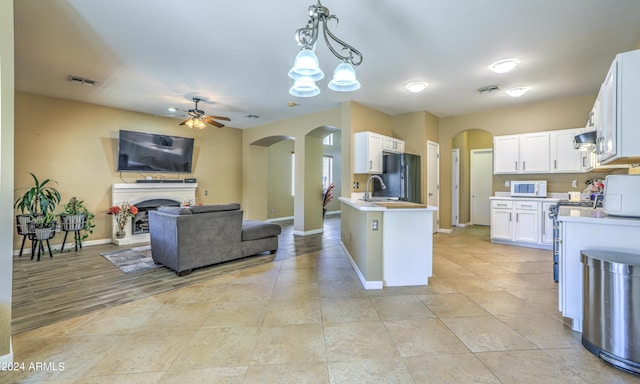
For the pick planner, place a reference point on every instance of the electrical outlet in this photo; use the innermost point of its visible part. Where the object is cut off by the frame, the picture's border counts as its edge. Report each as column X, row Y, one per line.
column 206, row 192
column 374, row 225
column 574, row 183
column 507, row 183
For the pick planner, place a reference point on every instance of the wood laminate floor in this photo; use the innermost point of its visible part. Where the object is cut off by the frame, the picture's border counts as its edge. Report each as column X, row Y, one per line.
column 75, row 283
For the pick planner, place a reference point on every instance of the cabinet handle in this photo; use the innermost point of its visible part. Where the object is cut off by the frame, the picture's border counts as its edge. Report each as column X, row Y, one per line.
column 544, row 226
column 517, row 217
column 370, row 164
column 509, row 216
column 555, row 164
column 584, row 161
column 516, row 165
column 524, row 166
column 502, row 205
column 591, row 119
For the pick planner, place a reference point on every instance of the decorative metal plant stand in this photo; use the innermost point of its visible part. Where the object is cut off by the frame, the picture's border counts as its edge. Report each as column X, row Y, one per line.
column 73, row 223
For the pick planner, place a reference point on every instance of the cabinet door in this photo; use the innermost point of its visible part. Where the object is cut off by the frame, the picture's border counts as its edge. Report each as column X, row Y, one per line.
column 534, row 152
column 606, row 141
column 501, row 224
column 400, row 146
column 564, row 157
column 527, row 226
column 505, row 154
column 375, row 154
column 367, row 153
column 547, row 224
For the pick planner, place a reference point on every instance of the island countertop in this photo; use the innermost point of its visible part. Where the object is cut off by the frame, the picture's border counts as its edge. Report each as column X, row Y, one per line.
column 594, row 216
column 385, row 205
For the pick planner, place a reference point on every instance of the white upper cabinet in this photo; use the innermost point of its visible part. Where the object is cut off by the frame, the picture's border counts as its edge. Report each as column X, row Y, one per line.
column 534, row 152
column 564, row 157
column 505, row 154
column 618, row 133
column 367, row 152
column 391, row 144
column 527, row 153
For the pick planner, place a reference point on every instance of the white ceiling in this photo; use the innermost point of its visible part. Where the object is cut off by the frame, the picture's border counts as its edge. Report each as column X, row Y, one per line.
column 148, row 55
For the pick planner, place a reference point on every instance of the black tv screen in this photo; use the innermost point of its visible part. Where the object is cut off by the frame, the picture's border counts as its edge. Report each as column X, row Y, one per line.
column 148, row 152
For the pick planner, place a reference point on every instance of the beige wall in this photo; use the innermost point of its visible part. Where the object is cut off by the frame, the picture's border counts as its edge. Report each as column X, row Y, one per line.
column 255, row 172
column 75, row 144
column 533, row 117
column 6, row 175
column 280, row 199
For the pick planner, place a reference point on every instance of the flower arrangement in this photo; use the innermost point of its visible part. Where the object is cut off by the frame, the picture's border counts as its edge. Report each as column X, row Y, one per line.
column 122, row 213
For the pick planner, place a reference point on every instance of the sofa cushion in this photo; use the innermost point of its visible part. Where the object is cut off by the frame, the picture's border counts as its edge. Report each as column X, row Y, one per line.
column 253, row 230
column 214, row 208
column 175, row 210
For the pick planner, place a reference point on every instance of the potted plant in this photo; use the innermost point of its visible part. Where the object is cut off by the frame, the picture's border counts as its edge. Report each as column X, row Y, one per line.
column 327, row 197
column 39, row 202
column 78, row 219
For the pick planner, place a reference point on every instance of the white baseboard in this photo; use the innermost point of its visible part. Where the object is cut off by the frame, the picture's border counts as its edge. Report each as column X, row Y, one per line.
column 307, row 233
column 280, row 219
column 464, row 225
column 444, row 230
column 57, row 247
column 366, row 284
column 8, row 358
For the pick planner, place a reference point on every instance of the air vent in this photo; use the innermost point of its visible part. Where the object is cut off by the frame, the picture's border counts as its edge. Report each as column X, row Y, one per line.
column 488, row 89
column 81, row 80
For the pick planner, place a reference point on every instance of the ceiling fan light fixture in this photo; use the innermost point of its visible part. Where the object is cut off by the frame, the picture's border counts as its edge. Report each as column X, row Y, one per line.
column 517, row 92
column 416, row 86
column 344, row 79
column 304, row 87
column 504, row 66
column 306, row 65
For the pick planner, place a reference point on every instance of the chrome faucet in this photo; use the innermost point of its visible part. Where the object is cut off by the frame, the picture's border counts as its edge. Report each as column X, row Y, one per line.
column 366, row 192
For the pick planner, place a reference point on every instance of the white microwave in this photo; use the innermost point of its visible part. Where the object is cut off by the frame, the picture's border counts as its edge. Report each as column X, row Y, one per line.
column 529, row 188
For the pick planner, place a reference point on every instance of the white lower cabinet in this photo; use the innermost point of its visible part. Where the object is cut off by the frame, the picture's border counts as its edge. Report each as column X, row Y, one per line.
column 547, row 224
column 520, row 222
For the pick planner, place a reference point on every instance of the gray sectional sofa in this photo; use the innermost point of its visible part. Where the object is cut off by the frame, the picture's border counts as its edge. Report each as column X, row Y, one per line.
column 184, row 238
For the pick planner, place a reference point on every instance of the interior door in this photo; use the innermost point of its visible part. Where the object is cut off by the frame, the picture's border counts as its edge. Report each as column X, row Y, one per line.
column 481, row 185
column 455, row 186
column 433, row 180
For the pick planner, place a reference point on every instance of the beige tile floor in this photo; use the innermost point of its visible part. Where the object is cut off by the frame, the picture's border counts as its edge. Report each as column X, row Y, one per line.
column 488, row 315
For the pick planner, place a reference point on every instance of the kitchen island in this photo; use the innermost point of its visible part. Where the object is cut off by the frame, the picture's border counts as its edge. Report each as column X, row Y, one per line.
column 389, row 243
column 588, row 229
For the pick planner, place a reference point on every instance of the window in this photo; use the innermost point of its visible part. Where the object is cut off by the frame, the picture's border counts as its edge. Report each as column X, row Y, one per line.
column 328, row 140
column 327, row 171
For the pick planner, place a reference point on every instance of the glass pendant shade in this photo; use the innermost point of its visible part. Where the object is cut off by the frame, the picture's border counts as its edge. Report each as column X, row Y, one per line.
column 304, row 87
column 344, row 79
column 189, row 123
column 306, row 65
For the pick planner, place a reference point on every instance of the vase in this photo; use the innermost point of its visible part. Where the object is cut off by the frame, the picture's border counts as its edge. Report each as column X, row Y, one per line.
column 120, row 235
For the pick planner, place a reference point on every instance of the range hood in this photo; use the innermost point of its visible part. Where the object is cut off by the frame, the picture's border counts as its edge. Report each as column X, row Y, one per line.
column 584, row 139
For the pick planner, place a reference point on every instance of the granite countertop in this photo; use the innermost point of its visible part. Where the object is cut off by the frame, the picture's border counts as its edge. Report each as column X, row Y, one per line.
column 594, row 216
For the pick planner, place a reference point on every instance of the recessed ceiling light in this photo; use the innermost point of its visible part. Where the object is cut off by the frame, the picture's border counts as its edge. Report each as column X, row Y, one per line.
column 517, row 92
column 504, row 66
column 172, row 109
column 416, row 86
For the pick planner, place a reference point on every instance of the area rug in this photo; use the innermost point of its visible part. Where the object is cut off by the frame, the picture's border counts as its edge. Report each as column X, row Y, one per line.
column 132, row 260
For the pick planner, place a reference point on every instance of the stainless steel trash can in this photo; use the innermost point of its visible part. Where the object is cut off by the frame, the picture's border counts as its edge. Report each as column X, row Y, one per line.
column 611, row 302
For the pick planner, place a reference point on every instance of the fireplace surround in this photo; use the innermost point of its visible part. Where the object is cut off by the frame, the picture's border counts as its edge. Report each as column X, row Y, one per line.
column 149, row 196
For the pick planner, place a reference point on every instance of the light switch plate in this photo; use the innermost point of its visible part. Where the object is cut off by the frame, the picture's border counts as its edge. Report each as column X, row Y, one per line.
column 574, row 183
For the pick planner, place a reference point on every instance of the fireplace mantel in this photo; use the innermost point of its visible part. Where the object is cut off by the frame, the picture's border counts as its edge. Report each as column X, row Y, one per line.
column 136, row 192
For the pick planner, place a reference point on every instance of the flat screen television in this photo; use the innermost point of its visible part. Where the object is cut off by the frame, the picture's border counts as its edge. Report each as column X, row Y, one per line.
column 148, row 152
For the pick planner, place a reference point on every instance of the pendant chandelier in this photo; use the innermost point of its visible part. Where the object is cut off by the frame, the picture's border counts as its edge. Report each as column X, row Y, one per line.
column 306, row 69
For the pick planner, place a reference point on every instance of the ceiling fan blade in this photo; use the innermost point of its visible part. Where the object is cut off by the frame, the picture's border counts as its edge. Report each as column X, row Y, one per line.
column 184, row 122
column 208, row 119
column 219, row 118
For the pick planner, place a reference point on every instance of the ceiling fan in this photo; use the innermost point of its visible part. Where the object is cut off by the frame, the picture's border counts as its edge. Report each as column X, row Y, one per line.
column 196, row 117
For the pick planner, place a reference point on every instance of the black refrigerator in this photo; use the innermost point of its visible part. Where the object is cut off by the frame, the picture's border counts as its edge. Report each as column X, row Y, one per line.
column 401, row 175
